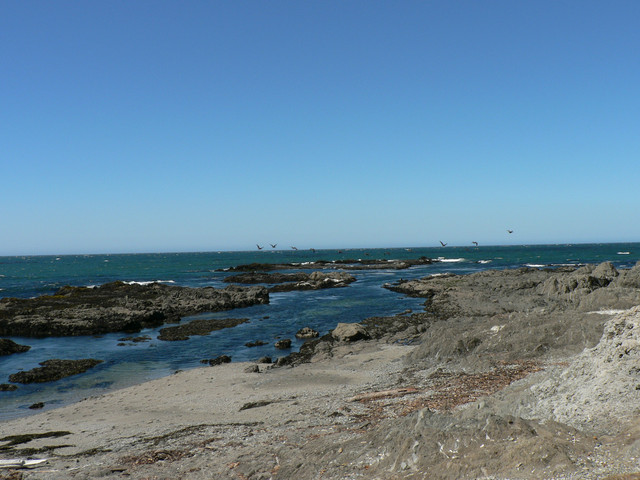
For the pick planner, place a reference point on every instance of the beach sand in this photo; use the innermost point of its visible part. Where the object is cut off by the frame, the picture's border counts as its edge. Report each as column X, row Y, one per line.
column 207, row 422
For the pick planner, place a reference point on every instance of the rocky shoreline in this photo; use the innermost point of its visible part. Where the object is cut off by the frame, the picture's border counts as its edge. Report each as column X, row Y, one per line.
column 518, row 374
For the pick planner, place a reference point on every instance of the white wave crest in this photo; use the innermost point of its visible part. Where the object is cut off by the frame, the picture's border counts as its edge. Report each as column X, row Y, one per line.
column 608, row 312
column 450, row 260
column 485, row 261
column 624, row 253
column 133, row 282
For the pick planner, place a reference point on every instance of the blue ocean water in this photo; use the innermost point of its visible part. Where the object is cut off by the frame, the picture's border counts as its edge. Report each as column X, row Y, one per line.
column 286, row 313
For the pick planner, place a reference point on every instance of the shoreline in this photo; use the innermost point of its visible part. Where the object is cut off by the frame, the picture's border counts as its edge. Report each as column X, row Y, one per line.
column 512, row 374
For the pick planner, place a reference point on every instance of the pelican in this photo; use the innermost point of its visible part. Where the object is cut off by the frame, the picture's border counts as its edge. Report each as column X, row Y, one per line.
column 259, row 247
column 273, row 245
column 475, row 243
column 442, row 243
column 294, row 248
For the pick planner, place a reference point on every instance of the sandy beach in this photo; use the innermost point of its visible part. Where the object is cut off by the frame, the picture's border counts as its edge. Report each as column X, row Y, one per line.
column 521, row 374
column 211, row 422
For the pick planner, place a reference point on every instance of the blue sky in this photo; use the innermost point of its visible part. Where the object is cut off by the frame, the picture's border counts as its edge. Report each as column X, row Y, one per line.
column 153, row 126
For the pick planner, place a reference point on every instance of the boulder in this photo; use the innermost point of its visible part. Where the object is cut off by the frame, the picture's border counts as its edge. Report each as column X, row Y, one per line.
column 283, row 344
column 350, row 332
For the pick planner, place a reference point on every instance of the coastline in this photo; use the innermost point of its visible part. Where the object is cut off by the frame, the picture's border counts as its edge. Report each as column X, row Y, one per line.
column 514, row 374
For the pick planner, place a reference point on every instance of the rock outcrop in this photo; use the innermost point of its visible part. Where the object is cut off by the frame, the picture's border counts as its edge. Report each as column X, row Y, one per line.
column 7, row 347
column 117, row 307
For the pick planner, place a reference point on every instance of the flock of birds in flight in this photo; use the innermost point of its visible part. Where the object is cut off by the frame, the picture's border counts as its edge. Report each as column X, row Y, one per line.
column 274, row 245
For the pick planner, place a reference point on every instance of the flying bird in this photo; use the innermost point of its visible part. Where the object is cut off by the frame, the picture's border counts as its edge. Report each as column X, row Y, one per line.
column 294, row 248
column 259, row 247
column 475, row 243
column 273, row 245
column 442, row 243
column 510, row 231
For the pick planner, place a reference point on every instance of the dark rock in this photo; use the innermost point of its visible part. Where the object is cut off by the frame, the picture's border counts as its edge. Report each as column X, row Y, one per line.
column 7, row 347
column 269, row 278
column 117, row 306
column 135, row 339
column 283, row 344
column 265, row 360
column 252, row 369
column 198, row 327
column 217, row 361
column 7, row 387
column 306, row 332
column 257, row 343
column 37, row 406
column 54, row 369
column 260, row 403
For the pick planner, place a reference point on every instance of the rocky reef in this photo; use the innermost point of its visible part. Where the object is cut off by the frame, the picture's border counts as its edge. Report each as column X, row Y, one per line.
column 287, row 282
column 54, row 369
column 117, row 307
column 348, row 264
column 198, row 327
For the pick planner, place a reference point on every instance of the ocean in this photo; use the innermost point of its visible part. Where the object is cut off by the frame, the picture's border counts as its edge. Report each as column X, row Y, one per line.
column 133, row 363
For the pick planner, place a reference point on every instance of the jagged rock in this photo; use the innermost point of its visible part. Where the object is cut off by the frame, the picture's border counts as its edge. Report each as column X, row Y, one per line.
column 257, row 343
column 54, row 369
column 350, row 332
column 252, row 369
column 117, row 306
column 306, row 332
column 283, row 344
column 265, row 360
column 7, row 387
column 7, row 347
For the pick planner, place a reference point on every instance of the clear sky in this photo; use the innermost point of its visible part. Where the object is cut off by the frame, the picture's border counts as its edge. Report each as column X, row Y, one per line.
column 147, row 126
